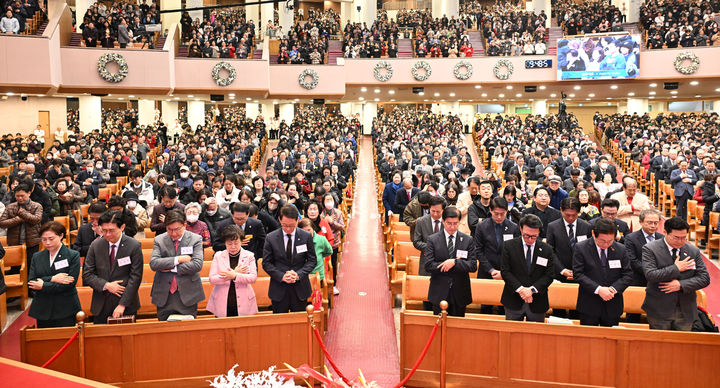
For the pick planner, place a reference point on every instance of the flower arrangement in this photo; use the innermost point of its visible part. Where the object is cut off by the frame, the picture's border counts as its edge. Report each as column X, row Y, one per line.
column 232, row 73
column 270, row 379
column 379, row 75
column 302, row 79
column 687, row 56
column 498, row 67
column 107, row 75
column 421, row 65
column 463, row 75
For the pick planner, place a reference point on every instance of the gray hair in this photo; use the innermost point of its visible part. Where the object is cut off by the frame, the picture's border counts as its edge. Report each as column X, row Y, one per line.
column 648, row 212
column 193, row 205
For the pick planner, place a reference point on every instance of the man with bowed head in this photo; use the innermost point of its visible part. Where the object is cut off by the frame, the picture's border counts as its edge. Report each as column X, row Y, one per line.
column 289, row 258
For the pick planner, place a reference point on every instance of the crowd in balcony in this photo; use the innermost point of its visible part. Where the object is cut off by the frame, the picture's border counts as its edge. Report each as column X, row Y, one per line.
column 673, row 24
column 510, row 31
column 588, row 17
column 304, row 44
column 126, row 23
column 15, row 14
column 438, row 37
column 380, row 40
column 224, row 33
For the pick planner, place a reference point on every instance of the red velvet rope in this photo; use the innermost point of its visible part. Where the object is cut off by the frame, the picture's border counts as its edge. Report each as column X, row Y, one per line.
column 327, row 355
column 422, row 356
column 67, row 344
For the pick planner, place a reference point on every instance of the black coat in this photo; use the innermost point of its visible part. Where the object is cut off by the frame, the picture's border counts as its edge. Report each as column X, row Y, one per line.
column 557, row 238
column 54, row 300
column 634, row 243
column 84, row 238
column 252, row 227
column 489, row 252
column 275, row 263
column 457, row 279
column 515, row 274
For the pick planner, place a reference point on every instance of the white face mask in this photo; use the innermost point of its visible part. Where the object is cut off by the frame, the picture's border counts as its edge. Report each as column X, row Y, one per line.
column 211, row 212
column 89, row 169
column 131, row 204
column 31, row 159
column 603, row 165
column 184, row 175
column 192, row 218
column 329, row 205
column 99, row 166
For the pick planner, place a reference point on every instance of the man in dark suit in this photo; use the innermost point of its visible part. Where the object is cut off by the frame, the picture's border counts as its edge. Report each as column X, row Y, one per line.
column 404, row 196
column 89, row 179
column 675, row 270
column 254, row 231
column 113, row 268
column 425, row 227
column 88, row 232
column 289, row 257
column 683, row 182
column 603, row 271
column 490, row 235
column 177, row 259
column 602, row 168
column 635, row 241
column 609, row 210
column 451, row 256
column 283, row 167
column 541, row 208
column 520, row 170
column 527, row 268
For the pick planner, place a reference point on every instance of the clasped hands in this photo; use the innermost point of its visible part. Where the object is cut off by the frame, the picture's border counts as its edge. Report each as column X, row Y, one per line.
column 446, row 265
column 290, row 277
column 231, row 274
column 607, row 293
column 526, row 294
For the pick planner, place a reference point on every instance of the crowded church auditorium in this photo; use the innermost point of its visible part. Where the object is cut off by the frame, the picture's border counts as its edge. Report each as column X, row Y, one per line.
column 359, row 193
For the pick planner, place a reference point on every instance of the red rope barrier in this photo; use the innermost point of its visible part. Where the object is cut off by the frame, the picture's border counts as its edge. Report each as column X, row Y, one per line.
column 422, row 356
column 67, row 344
column 327, row 355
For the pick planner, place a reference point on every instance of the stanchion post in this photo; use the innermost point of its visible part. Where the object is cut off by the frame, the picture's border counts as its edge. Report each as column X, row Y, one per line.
column 443, row 342
column 310, row 309
column 80, row 318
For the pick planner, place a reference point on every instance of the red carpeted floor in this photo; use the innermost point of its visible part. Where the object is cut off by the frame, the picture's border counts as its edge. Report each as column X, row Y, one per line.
column 10, row 338
column 361, row 334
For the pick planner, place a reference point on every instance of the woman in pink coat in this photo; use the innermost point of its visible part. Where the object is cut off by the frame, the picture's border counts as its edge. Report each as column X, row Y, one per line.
column 232, row 272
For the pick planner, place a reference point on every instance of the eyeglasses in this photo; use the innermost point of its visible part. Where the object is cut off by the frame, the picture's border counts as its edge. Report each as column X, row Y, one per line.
column 530, row 236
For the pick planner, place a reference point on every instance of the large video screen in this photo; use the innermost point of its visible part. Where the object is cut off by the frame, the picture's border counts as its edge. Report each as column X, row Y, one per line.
column 599, row 57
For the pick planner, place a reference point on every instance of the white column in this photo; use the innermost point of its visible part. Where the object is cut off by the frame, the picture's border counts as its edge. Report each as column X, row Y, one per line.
column 168, row 19
column 169, row 112
column 146, row 112
column 539, row 107
column 368, row 11
column 369, row 113
column 637, row 105
column 252, row 110
column 346, row 107
column 452, row 108
column 252, row 12
column 716, row 106
column 267, row 12
column 196, row 113
column 346, row 12
column 90, row 110
column 447, row 8
column 81, row 7
column 285, row 17
column 268, row 112
column 287, row 112
column 194, row 4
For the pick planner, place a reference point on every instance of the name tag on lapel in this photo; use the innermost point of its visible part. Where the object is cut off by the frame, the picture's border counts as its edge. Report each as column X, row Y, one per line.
column 61, row 264
column 461, row 254
column 186, row 250
column 123, row 261
column 581, row 238
column 301, row 248
column 541, row 261
column 508, row 237
column 614, row 264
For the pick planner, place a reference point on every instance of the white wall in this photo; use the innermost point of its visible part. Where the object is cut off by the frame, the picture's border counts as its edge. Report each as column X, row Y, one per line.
column 22, row 116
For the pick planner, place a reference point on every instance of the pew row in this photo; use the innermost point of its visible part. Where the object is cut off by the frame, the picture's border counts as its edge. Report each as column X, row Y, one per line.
column 178, row 354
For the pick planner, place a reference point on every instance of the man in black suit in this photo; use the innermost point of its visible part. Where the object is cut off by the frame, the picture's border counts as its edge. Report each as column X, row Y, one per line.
column 451, row 256
column 634, row 242
column 289, row 257
column 541, row 208
column 603, row 271
column 563, row 234
column 404, row 196
column 426, row 226
column 527, row 268
column 609, row 210
column 113, row 268
column 283, row 167
column 602, row 168
column 88, row 232
column 254, row 231
column 89, row 179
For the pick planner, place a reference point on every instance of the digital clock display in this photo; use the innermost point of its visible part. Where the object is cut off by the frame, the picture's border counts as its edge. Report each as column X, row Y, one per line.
column 538, row 64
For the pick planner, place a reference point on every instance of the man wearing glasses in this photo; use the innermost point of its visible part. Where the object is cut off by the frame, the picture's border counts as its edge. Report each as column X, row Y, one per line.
column 603, row 271
column 674, row 270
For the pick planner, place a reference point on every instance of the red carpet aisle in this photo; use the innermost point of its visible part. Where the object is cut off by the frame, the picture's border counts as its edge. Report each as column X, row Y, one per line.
column 10, row 338
column 362, row 330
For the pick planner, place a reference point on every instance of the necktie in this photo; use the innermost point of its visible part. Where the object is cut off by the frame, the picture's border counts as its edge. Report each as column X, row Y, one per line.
column 289, row 248
column 409, row 196
column 650, row 238
column 571, row 235
column 528, row 257
column 674, row 254
column 173, row 282
column 112, row 255
column 498, row 234
column 451, row 246
column 603, row 258
column 437, row 226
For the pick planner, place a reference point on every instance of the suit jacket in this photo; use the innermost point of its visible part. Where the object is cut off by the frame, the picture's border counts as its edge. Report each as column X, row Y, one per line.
column 622, row 228
column 557, row 237
column 680, row 187
column 3, row 287
column 187, row 275
column 413, row 212
column 424, row 228
column 589, row 272
column 660, row 267
column 55, row 300
column 275, row 263
column 490, row 253
column 609, row 170
column 244, row 293
column 634, row 243
column 84, row 239
column 515, row 274
column 97, row 272
column 252, row 227
column 516, row 170
column 457, row 279
column 402, row 200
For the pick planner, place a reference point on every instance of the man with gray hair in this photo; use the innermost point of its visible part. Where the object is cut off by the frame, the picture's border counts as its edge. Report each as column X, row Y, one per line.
column 405, row 195
column 683, row 182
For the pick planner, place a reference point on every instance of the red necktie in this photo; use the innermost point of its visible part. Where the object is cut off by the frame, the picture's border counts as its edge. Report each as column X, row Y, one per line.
column 173, row 282
column 409, row 198
column 112, row 255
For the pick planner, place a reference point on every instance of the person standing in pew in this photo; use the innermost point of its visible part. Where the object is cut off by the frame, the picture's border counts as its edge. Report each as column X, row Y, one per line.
column 527, row 268
column 634, row 243
column 113, row 268
column 450, row 257
column 88, row 232
column 426, row 226
column 177, row 259
column 490, row 236
column 53, row 274
column 675, row 270
column 232, row 273
column 289, row 258
column 603, row 271
column 254, row 232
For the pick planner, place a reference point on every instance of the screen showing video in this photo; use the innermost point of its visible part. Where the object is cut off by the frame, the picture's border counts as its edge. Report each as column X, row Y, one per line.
column 599, row 57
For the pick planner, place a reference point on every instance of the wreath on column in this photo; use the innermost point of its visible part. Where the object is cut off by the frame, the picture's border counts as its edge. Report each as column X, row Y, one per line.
column 302, row 79
column 232, row 73
column 107, row 75
column 687, row 56
column 463, row 75
column 421, row 76
column 379, row 75
column 497, row 70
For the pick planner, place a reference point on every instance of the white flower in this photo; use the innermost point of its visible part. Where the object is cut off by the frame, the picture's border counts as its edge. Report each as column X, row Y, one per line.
column 232, row 73
column 468, row 70
column 122, row 65
column 379, row 75
column 302, row 79
column 421, row 65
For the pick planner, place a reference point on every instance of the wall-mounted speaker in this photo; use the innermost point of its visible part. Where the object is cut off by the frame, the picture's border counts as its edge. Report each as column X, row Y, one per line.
column 670, row 85
column 217, row 97
column 530, row 89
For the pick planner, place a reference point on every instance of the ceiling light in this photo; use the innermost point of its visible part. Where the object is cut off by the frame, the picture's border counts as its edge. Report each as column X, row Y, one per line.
column 653, row 85
column 231, row 97
column 484, row 95
column 190, row 96
column 363, row 89
column 609, row 104
column 673, row 92
column 175, row 98
column 542, row 87
column 631, row 94
column 248, row 98
column 608, row 98
column 651, row 97
column 391, row 91
column 553, row 95
column 275, row 102
column 392, row 100
column 443, row 100
column 576, row 87
column 518, row 95
column 436, row 94
column 197, row 99
column 377, row 99
column 425, row 100
column 168, row 100
column 674, row 96
column 296, row 100
column 377, row 90
column 131, row 96
column 121, row 98
column 69, row 96
column 613, row 86
column 10, row 93
column 587, row 99
column 421, row 94
column 571, row 95
column 652, row 93
column 694, row 83
column 231, row 94
column 509, row 87
column 41, row 95
column 697, row 96
column 255, row 101
column 234, row 102
column 460, row 100
column 477, row 86
column 717, row 90
column 362, row 98
column 580, row 104
column 452, row 94
column 591, row 95
column 501, row 95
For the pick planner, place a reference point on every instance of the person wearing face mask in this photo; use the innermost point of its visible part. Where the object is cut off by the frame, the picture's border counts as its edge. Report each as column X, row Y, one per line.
column 212, row 214
column 602, row 168
column 168, row 201
column 89, row 179
column 334, row 218
column 143, row 190
column 184, row 181
column 194, row 225
column 137, row 207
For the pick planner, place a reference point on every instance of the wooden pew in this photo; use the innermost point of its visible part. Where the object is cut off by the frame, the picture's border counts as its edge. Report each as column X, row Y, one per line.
column 16, row 284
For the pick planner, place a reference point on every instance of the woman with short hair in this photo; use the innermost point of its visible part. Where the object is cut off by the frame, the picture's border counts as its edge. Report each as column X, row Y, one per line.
column 232, row 273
